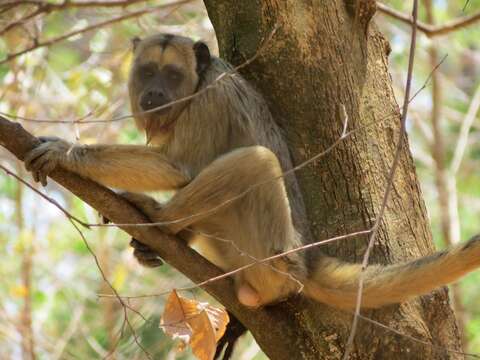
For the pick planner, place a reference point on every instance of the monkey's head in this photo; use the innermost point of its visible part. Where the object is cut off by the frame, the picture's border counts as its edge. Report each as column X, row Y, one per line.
column 166, row 68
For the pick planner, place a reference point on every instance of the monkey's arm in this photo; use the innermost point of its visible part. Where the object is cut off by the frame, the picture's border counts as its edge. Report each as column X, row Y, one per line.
column 336, row 283
column 127, row 167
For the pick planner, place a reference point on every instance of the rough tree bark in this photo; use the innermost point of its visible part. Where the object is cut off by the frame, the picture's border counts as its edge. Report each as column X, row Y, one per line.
column 325, row 55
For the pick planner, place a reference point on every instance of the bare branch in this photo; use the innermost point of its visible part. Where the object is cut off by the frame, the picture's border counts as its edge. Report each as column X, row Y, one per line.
column 45, row 43
column 430, row 30
column 73, row 4
column 43, row 7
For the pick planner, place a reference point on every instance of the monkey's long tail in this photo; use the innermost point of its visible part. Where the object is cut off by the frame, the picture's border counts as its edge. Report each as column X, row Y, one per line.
column 336, row 283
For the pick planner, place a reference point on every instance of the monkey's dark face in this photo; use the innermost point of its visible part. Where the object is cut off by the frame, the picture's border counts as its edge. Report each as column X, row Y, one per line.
column 165, row 71
column 160, row 86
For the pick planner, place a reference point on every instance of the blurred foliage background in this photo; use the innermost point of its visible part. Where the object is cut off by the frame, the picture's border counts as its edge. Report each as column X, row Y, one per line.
column 50, row 306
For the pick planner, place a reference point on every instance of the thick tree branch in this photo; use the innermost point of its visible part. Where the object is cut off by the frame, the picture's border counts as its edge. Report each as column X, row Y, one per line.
column 18, row 141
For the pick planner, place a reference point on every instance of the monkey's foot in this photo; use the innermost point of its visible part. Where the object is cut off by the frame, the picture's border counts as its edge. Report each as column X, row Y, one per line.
column 144, row 255
column 248, row 296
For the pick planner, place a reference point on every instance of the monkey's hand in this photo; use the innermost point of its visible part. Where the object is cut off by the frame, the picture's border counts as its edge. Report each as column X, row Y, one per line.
column 43, row 159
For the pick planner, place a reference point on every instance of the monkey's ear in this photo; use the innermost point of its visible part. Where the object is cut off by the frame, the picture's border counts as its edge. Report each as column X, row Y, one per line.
column 202, row 53
column 135, row 41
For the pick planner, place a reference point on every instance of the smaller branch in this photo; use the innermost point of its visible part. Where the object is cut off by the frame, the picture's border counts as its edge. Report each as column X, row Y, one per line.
column 45, row 43
column 73, row 4
column 47, row 8
column 21, row 21
column 430, row 30
column 248, row 266
column 429, row 77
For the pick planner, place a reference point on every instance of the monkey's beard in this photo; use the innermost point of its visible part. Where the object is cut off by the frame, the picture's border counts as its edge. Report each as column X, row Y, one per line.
column 158, row 128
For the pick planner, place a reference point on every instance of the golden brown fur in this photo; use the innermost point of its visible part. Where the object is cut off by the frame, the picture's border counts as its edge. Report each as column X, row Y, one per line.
column 213, row 148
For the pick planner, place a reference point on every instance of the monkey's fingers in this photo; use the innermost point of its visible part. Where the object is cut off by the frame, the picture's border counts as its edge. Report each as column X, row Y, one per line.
column 41, row 168
column 45, row 171
column 234, row 331
column 36, row 176
column 33, row 155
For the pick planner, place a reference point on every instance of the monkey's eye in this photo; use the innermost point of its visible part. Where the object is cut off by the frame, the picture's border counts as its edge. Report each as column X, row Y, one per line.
column 172, row 74
column 147, row 71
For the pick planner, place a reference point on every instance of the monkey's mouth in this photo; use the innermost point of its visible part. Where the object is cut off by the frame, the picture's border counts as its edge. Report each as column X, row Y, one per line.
column 151, row 108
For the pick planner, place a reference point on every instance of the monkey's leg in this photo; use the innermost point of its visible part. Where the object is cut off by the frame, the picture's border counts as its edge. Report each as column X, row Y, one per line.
column 127, row 167
column 246, row 173
column 244, row 185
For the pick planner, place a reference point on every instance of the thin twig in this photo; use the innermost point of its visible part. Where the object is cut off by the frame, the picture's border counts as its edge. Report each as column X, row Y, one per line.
column 43, row 7
column 300, row 285
column 391, row 176
column 73, row 4
column 74, row 220
column 244, row 267
column 464, row 132
column 125, row 306
column 49, row 199
column 429, row 77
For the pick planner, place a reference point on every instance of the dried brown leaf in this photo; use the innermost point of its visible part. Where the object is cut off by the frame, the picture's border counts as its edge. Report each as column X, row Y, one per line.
column 197, row 324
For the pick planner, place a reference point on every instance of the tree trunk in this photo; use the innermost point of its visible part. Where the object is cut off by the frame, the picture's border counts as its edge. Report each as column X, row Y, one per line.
column 326, row 56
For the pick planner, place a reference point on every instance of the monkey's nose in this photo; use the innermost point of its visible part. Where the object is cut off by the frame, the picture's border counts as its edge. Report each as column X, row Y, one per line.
column 152, row 94
column 152, row 99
